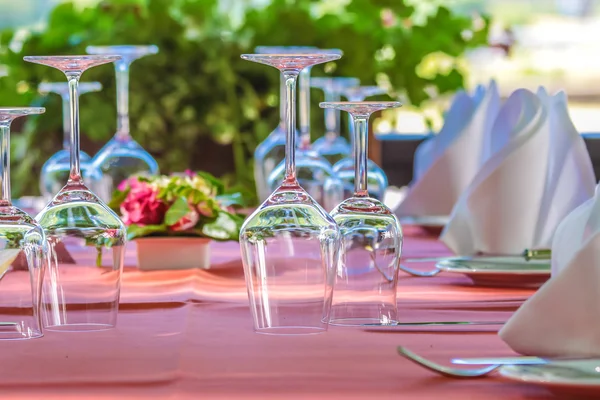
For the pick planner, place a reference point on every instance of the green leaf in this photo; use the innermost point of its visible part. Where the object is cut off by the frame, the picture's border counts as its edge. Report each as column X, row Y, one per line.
column 232, row 199
column 117, row 198
column 178, row 210
column 225, row 227
column 216, row 183
column 137, row 231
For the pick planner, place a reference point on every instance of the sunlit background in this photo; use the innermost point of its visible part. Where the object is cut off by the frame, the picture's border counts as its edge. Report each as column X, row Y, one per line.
column 527, row 43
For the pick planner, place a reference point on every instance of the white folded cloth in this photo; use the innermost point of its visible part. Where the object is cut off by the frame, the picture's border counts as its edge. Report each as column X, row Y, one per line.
column 540, row 172
column 562, row 319
column 446, row 164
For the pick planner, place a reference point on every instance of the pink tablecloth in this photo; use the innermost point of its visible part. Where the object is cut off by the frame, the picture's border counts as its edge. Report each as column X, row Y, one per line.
column 188, row 334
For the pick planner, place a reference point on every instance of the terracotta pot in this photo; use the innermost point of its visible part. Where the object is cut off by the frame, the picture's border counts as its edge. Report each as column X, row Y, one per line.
column 161, row 253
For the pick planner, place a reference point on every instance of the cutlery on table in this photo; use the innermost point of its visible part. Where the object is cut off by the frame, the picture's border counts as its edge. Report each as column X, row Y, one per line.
column 447, row 371
column 527, row 255
column 518, row 360
column 435, row 323
column 491, row 364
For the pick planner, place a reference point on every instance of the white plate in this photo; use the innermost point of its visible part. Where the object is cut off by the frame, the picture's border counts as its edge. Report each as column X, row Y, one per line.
column 429, row 221
column 577, row 379
column 500, row 271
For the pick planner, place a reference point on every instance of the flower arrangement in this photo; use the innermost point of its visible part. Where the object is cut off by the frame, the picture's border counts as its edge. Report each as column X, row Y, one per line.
column 189, row 204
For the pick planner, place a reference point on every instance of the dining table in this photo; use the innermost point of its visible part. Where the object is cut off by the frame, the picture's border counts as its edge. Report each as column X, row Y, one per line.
column 188, row 334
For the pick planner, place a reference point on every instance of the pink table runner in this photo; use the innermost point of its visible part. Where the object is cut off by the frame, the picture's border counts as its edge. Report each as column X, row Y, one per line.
column 188, row 334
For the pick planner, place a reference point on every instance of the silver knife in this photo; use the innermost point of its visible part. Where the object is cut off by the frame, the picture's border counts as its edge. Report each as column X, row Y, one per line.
column 435, row 323
column 527, row 255
column 526, row 360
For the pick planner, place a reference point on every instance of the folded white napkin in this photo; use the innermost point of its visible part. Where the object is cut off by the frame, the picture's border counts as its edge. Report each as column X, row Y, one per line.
column 540, row 172
column 562, row 318
column 446, row 164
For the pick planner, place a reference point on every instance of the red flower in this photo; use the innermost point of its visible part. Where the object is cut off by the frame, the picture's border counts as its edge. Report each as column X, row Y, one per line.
column 141, row 206
column 186, row 222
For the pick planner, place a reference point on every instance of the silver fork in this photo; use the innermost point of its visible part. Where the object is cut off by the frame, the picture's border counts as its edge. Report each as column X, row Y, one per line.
column 425, row 274
column 447, row 371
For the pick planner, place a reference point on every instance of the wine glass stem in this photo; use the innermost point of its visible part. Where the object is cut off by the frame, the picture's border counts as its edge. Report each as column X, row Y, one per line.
column 361, row 129
column 290, row 78
column 122, row 76
column 75, row 174
column 304, row 107
column 66, row 121
column 355, row 98
column 5, row 151
column 282, row 90
column 332, row 116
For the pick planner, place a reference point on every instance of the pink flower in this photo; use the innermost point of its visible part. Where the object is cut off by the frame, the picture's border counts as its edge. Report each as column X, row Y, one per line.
column 141, row 206
column 186, row 222
column 131, row 182
column 388, row 19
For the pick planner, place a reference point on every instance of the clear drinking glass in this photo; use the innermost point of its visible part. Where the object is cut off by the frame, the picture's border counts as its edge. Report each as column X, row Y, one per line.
column 271, row 151
column 55, row 170
column 344, row 169
column 367, row 275
column 332, row 145
column 122, row 156
column 290, row 244
column 23, row 250
column 86, row 238
column 313, row 171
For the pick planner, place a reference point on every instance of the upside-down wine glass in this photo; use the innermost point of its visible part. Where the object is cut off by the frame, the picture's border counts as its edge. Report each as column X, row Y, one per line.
column 313, row 171
column 371, row 236
column 290, row 244
column 55, row 170
column 23, row 250
column 344, row 168
column 86, row 238
column 122, row 156
column 271, row 151
column 332, row 145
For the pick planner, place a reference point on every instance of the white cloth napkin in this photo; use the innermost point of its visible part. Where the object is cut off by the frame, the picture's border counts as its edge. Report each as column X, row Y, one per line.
column 540, row 172
column 562, row 318
column 446, row 164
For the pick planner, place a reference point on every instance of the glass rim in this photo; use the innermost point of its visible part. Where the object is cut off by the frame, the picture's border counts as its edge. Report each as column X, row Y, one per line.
column 112, row 57
column 303, row 56
column 356, row 105
column 48, row 86
column 298, row 49
column 21, row 110
column 122, row 49
column 290, row 62
column 335, row 79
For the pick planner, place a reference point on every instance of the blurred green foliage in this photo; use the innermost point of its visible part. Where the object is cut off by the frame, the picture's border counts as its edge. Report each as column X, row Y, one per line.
column 197, row 87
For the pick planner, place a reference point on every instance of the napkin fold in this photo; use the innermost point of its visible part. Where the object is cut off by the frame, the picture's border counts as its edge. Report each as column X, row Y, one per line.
column 562, row 319
column 539, row 172
column 446, row 164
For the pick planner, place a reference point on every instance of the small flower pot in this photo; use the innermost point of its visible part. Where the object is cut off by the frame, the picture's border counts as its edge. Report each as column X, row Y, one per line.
column 164, row 253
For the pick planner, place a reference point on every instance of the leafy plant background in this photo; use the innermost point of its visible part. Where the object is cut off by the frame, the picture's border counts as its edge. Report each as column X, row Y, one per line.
column 196, row 104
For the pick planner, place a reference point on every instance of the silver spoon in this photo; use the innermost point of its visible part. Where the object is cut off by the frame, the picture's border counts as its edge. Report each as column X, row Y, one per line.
column 425, row 274
column 447, row 371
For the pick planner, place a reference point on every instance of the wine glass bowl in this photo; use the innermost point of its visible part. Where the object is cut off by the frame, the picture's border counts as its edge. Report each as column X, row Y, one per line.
column 290, row 244
column 122, row 156
column 23, row 250
column 367, row 275
column 86, row 238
